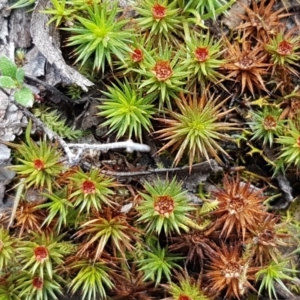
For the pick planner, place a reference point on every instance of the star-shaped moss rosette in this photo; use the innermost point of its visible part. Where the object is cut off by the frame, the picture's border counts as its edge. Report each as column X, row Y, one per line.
column 240, row 208
column 91, row 190
column 161, row 18
column 164, row 74
column 229, row 272
column 92, row 279
column 195, row 129
column 108, row 228
column 127, row 110
column 285, row 51
column 158, row 263
column 267, row 239
column 203, row 60
column 100, row 35
column 39, row 164
column 35, row 287
column 58, row 208
column 29, row 217
column 246, row 65
column 61, row 11
column 290, row 146
column 41, row 255
column 164, row 207
column 262, row 21
column 266, row 125
column 277, row 273
column 186, row 289
column 136, row 57
column 194, row 244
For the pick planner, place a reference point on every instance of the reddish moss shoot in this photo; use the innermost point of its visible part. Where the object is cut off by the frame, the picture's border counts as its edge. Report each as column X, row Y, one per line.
column 162, row 70
column 285, row 48
column 269, row 123
column 201, row 54
column 159, row 11
column 184, row 297
column 40, row 253
column 137, row 55
column 38, row 283
column 164, row 205
column 39, row 164
column 88, row 187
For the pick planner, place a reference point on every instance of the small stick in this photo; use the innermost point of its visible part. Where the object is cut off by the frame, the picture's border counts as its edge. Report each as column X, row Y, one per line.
column 129, row 145
column 73, row 158
column 20, row 189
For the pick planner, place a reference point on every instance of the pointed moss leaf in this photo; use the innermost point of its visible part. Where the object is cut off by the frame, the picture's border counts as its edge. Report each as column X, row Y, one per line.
column 25, row 97
column 7, row 82
column 21, row 3
column 20, row 73
column 7, row 67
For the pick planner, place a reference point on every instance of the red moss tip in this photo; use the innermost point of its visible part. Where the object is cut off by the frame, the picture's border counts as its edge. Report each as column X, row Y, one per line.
column 40, row 253
column 39, row 164
column 164, row 205
column 159, row 11
column 137, row 55
column 201, row 54
column 162, row 70
column 184, row 297
column 269, row 123
column 38, row 283
column 285, row 48
column 88, row 187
